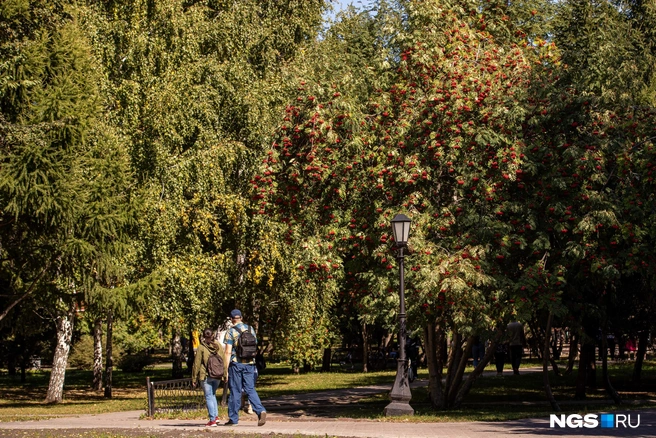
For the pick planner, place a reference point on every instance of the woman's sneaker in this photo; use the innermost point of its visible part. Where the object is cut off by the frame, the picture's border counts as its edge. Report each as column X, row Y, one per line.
column 211, row 424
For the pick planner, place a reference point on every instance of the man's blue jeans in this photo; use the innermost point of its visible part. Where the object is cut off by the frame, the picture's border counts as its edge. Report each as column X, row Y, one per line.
column 210, row 386
column 241, row 378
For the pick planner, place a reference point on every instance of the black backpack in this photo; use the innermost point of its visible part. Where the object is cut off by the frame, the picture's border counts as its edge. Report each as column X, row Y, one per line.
column 215, row 368
column 246, row 345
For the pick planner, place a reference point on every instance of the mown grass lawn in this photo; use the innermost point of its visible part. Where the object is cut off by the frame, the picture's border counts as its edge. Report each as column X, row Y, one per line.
column 24, row 401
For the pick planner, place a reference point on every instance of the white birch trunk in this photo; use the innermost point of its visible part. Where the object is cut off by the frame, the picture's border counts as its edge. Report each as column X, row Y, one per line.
column 55, row 392
column 97, row 354
column 110, row 362
column 176, row 346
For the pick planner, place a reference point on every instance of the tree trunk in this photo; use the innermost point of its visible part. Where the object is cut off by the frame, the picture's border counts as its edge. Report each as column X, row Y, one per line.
column 97, row 354
column 467, row 384
column 554, row 366
column 535, row 342
column 557, row 344
column 21, row 350
column 604, row 370
column 176, row 348
column 191, row 354
column 11, row 365
column 433, row 337
column 386, row 340
column 255, row 317
column 545, row 365
column 110, row 362
column 325, row 362
column 573, row 352
column 453, row 361
column 591, row 370
column 640, row 355
column 60, row 360
column 456, row 381
column 587, row 372
column 365, row 347
column 23, row 370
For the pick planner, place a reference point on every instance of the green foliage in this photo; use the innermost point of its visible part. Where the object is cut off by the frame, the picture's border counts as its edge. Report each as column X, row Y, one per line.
column 425, row 142
column 606, row 45
column 81, row 356
column 196, row 101
column 64, row 181
column 175, row 159
column 135, row 363
column 64, row 177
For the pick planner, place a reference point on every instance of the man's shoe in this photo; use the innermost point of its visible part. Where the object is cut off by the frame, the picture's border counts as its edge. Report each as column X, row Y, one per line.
column 516, row 372
column 499, row 374
column 261, row 418
column 229, row 423
column 211, row 424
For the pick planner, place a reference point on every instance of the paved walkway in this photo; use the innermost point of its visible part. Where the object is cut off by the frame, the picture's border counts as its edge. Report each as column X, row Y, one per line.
column 279, row 423
column 344, row 428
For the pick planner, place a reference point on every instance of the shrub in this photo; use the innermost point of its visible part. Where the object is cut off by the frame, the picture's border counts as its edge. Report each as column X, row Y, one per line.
column 81, row 356
column 134, row 363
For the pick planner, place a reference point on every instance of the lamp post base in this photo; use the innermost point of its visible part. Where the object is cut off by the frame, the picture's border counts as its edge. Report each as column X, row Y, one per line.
column 396, row 409
column 400, row 394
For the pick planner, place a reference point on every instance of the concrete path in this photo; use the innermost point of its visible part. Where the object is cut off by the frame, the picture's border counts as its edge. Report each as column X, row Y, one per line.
column 343, row 428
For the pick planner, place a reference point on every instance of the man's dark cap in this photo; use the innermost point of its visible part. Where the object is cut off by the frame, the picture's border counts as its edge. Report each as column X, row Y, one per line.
column 235, row 313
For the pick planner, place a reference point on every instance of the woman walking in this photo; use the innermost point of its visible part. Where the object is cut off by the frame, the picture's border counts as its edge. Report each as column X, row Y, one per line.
column 207, row 367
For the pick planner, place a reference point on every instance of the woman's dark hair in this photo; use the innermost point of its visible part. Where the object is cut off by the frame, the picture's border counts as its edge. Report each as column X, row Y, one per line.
column 208, row 333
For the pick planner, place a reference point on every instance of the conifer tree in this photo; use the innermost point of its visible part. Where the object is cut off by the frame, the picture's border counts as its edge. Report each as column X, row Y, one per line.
column 62, row 184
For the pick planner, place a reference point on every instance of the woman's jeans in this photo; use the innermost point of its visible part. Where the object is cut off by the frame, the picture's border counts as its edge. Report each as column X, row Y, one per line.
column 210, row 386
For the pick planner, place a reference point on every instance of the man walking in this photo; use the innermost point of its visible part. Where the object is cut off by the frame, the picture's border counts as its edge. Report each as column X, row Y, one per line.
column 517, row 342
column 240, row 351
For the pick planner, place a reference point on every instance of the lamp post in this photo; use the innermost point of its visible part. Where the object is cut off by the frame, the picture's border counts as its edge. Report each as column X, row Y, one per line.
column 400, row 395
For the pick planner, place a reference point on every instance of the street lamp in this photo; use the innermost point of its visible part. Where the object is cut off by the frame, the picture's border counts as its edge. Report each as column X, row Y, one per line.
column 400, row 395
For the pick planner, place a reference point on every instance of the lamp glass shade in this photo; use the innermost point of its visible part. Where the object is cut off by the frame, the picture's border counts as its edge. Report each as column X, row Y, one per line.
column 401, row 229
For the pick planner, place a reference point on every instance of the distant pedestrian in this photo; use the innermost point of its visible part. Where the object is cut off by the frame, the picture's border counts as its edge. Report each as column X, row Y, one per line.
column 203, row 368
column 517, row 342
column 240, row 353
column 631, row 348
column 621, row 347
column 610, row 342
column 412, row 354
column 478, row 350
column 500, row 357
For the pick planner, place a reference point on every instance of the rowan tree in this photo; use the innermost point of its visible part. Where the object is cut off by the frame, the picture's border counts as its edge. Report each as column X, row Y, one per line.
column 438, row 143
